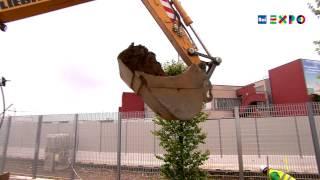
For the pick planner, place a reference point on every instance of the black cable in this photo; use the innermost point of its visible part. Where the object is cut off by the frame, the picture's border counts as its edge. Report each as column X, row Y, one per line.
column 181, row 24
column 7, row 109
column 4, row 107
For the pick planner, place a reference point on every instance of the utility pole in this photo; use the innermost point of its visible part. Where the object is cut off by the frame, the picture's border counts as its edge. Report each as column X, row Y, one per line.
column 3, row 82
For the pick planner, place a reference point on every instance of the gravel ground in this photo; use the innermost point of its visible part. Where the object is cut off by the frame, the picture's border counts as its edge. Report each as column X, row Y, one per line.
column 24, row 167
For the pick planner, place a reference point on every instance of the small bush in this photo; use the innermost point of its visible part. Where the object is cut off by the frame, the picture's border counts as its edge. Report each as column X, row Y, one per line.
column 174, row 68
column 180, row 140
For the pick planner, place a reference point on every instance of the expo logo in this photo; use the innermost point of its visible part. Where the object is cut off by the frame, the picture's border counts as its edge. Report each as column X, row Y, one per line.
column 281, row 19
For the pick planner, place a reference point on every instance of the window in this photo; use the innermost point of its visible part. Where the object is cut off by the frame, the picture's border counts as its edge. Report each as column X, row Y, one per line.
column 260, row 89
column 208, row 106
column 226, row 103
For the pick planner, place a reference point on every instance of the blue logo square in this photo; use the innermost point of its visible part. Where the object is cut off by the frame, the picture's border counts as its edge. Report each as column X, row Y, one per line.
column 262, row 19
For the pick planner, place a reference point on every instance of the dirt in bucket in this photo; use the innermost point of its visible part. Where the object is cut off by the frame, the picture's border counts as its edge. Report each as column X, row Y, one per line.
column 139, row 58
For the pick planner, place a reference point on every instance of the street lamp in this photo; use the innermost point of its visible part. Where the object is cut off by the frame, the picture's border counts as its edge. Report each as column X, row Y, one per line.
column 3, row 81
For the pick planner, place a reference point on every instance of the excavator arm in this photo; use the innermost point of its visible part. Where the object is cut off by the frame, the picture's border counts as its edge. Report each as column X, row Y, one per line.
column 172, row 97
column 12, row 10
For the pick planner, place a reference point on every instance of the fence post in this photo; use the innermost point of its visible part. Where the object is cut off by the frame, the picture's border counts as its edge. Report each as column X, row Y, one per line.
column 75, row 142
column 100, row 135
column 239, row 143
column 119, row 147
column 257, row 137
column 298, row 136
column 314, row 134
column 220, row 138
column 37, row 147
column 154, row 138
column 5, row 146
column 126, row 138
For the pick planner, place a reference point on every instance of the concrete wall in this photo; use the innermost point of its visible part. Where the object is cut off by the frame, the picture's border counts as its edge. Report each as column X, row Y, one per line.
column 265, row 136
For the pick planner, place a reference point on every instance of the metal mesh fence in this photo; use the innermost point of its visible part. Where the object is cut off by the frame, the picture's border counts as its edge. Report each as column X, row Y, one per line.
column 139, row 147
column 55, row 145
column 281, row 139
column 20, row 149
column 4, row 142
column 96, row 153
column 278, row 110
column 87, row 146
column 221, row 143
column 279, row 143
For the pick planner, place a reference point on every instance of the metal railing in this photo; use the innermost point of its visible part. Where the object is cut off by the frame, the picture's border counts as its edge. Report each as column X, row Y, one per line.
column 121, row 145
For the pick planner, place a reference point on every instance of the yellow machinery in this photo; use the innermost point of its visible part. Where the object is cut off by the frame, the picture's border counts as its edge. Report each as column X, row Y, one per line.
column 172, row 97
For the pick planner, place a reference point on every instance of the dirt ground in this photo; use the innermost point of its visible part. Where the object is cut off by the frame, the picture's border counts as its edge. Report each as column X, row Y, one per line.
column 24, row 167
column 86, row 174
column 139, row 58
column 94, row 172
column 89, row 172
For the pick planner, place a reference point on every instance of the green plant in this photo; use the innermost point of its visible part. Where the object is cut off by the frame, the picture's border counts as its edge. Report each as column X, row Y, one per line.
column 174, row 68
column 180, row 140
column 316, row 10
column 317, row 43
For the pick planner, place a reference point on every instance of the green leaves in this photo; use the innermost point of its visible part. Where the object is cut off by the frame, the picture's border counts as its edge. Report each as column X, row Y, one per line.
column 317, row 43
column 316, row 10
column 180, row 140
column 174, row 68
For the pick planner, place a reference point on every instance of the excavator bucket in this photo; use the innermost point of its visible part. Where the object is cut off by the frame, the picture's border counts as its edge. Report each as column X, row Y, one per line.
column 178, row 97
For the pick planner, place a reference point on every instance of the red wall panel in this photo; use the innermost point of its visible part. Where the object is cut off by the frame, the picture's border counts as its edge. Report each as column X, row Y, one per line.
column 132, row 106
column 131, row 103
column 288, row 84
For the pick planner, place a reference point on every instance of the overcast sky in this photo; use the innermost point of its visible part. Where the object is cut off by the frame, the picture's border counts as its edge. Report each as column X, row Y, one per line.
column 66, row 61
